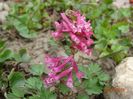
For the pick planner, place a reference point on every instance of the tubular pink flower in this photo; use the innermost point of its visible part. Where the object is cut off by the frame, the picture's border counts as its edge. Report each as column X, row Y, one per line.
column 79, row 31
column 61, row 67
column 58, row 33
column 69, row 23
column 49, row 81
column 78, row 74
column 75, row 38
column 51, row 62
column 69, row 82
column 64, row 73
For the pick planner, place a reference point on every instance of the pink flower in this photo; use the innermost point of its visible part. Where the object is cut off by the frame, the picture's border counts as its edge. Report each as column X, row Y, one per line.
column 79, row 31
column 61, row 67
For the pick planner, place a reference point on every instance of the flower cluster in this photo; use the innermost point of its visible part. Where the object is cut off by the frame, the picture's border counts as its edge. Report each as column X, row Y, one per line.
column 78, row 30
column 61, row 67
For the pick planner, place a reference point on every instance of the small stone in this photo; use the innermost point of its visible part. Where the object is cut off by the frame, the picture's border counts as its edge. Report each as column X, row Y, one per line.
column 122, row 3
column 3, row 11
column 122, row 81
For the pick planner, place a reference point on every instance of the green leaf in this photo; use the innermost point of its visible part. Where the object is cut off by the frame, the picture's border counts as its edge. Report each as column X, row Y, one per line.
column 17, row 79
column 94, row 68
column 6, row 54
column 116, row 48
column 95, row 79
column 45, row 93
column 34, row 97
column 108, row 1
column 23, row 30
column 11, row 96
column 92, row 86
column 37, row 69
column 53, row 42
column 67, row 50
column 124, row 28
column 91, row 71
column 104, row 53
column 63, row 88
column 2, row 44
column 119, row 56
column 11, row 74
column 18, row 91
column 103, row 77
column 94, row 90
column 126, row 12
column 34, row 83
column 101, row 45
column 22, row 56
column 82, row 96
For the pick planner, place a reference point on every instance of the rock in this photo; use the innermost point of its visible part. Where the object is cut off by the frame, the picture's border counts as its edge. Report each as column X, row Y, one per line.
column 122, row 3
column 3, row 15
column 3, row 11
column 122, row 81
column 4, row 6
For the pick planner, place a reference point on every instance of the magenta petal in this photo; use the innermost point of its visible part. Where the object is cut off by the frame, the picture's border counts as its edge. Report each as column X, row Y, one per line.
column 64, row 73
column 51, row 74
column 49, row 81
column 69, row 23
column 59, row 68
column 58, row 26
column 66, row 27
column 64, row 17
column 51, row 62
column 75, row 66
column 78, row 74
column 74, row 38
column 83, row 45
column 88, row 51
column 90, row 42
column 56, row 34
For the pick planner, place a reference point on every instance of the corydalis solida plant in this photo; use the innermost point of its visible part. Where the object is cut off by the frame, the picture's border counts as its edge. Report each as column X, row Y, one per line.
column 61, row 67
column 78, row 29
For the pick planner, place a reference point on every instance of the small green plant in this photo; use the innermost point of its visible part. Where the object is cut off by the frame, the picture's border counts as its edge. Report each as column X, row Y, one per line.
column 31, row 16
column 5, row 54
column 14, row 83
column 95, row 79
column 26, row 17
column 28, row 87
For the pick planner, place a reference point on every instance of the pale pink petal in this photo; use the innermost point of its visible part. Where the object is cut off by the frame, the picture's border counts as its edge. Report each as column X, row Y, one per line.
column 69, row 83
